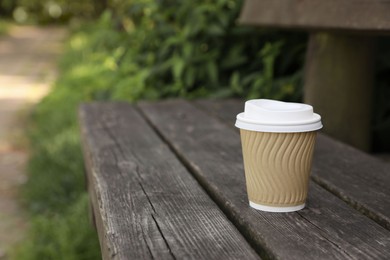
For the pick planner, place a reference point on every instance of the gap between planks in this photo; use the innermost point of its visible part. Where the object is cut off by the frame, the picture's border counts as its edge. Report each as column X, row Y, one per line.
column 108, row 148
column 264, row 252
column 213, row 191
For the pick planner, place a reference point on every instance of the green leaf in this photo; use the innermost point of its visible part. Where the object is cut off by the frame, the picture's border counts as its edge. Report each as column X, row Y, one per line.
column 189, row 77
column 215, row 30
column 178, row 67
column 188, row 49
column 212, row 70
column 235, row 83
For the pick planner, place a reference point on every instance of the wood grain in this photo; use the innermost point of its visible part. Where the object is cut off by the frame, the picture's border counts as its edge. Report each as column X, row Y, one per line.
column 339, row 70
column 356, row 177
column 352, row 15
column 326, row 229
column 146, row 204
column 224, row 109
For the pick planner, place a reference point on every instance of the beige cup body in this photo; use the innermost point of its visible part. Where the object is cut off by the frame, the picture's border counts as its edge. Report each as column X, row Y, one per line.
column 277, row 166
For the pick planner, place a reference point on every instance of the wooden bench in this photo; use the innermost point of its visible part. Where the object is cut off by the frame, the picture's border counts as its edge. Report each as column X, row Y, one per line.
column 166, row 181
column 339, row 69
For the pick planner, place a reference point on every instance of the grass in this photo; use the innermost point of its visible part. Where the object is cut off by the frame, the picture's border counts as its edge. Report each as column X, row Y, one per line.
column 66, row 235
column 55, row 194
column 4, row 26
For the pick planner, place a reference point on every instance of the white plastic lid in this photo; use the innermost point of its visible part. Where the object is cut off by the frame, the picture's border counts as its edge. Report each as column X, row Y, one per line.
column 265, row 115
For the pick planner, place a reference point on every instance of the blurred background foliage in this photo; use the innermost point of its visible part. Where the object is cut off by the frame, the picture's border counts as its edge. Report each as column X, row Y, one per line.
column 51, row 11
column 165, row 48
column 146, row 49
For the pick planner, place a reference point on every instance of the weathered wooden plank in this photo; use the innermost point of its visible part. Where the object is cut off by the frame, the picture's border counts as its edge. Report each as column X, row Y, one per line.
column 348, row 86
column 226, row 110
column 146, row 204
column 326, row 229
column 353, row 15
column 356, row 177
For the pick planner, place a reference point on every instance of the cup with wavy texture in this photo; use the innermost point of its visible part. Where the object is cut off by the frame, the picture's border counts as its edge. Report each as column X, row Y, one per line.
column 277, row 153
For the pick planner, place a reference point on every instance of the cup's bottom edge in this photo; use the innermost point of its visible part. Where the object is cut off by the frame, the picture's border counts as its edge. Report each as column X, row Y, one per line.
column 276, row 209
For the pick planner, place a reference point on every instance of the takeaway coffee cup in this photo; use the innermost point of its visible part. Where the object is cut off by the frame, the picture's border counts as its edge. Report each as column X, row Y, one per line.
column 277, row 144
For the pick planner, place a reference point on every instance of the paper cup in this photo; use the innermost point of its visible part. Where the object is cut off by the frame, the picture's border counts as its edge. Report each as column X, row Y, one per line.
column 278, row 140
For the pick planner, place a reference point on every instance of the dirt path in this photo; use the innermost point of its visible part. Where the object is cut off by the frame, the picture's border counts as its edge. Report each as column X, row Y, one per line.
column 28, row 57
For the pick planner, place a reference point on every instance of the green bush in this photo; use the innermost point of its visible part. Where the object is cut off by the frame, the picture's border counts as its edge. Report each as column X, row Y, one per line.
column 159, row 50
column 182, row 48
column 55, row 191
column 51, row 11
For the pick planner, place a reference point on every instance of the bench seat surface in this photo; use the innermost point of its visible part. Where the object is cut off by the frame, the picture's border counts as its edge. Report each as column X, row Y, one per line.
column 166, row 181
